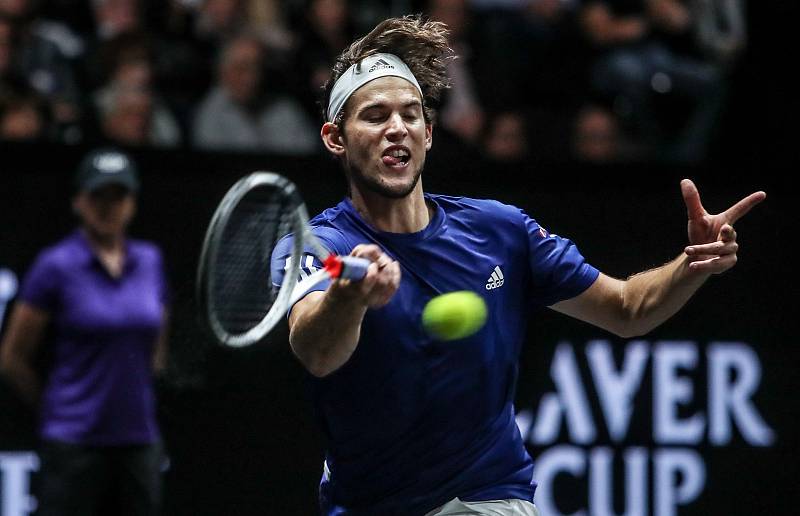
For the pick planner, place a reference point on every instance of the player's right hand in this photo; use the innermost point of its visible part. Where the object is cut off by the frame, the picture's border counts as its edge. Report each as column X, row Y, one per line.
column 380, row 283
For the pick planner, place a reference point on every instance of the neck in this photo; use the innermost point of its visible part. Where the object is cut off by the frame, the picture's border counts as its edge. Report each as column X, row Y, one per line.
column 407, row 215
column 105, row 243
column 109, row 249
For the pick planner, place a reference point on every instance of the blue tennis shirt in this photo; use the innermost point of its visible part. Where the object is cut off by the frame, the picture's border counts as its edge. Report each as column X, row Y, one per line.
column 413, row 422
column 100, row 390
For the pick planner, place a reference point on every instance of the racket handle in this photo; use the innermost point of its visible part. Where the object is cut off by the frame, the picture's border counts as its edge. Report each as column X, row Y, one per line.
column 354, row 268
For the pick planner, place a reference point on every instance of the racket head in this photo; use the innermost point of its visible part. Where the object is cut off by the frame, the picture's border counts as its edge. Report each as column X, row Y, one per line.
column 236, row 294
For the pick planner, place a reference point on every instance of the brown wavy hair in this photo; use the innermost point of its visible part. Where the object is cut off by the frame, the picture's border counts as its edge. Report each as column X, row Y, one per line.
column 421, row 44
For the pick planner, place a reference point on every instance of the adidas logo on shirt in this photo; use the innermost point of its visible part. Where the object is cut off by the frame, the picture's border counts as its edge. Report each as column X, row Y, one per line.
column 496, row 280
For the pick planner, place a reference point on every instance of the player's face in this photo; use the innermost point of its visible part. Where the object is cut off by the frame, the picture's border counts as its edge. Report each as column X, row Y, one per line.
column 107, row 211
column 385, row 137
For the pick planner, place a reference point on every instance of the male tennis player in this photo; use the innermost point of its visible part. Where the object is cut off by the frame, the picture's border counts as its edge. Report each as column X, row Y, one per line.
column 417, row 426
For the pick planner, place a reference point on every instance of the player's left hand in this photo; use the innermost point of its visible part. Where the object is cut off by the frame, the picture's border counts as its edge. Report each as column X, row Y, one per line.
column 712, row 239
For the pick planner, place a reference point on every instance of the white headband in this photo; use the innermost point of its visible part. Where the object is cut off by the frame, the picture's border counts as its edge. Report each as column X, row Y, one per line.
column 370, row 68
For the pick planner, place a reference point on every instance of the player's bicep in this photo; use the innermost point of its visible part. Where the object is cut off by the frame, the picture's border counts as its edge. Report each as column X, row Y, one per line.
column 599, row 305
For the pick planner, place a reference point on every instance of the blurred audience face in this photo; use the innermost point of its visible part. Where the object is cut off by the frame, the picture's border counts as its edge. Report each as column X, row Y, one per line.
column 596, row 135
column 547, row 10
column 128, row 61
column 16, row 8
column 107, row 211
column 670, row 15
column 127, row 120
column 506, row 140
column 329, row 15
column 23, row 122
column 241, row 70
column 453, row 13
column 221, row 15
column 115, row 17
column 136, row 73
column 467, row 123
column 6, row 45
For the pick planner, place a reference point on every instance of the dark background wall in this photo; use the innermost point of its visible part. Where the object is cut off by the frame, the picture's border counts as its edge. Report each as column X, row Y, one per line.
column 237, row 424
column 238, row 427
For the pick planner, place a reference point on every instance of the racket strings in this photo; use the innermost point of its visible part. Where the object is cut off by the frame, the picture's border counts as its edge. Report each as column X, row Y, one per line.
column 242, row 291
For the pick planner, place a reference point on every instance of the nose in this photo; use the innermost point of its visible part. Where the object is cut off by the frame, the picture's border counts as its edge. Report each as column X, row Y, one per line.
column 396, row 128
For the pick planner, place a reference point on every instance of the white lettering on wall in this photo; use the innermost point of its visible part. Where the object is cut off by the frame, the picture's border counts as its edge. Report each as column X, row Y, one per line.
column 617, row 389
column 570, row 401
column 8, row 289
column 657, row 480
column 558, row 459
column 601, row 488
column 680, row 476
column 15, row 471
column 670, row 390
column 733, row 377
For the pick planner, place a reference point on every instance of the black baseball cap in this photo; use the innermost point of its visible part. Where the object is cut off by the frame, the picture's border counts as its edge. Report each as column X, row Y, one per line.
column 106, row 166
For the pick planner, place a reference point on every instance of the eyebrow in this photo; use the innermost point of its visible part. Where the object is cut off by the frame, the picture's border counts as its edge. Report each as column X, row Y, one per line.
column 379, row 104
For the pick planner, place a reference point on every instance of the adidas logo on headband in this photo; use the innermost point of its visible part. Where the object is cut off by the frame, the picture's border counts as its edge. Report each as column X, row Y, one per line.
column 380, row 64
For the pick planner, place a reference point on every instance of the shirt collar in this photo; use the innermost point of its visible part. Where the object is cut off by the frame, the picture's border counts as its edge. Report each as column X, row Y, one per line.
column 432, row 229
column 89, row 257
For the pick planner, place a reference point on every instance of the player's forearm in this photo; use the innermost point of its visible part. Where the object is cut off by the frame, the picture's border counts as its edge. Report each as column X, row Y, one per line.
column 18, row 349
column 325, row 335
column 23, row 378
column 159, row 360
column 650, row 298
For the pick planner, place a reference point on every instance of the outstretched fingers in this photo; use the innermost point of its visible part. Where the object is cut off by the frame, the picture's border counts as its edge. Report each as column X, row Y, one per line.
column 741, row 208
column 691, row 197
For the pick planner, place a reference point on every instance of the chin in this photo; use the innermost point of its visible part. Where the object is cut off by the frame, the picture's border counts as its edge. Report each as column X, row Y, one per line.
column 107, row 231
column 393, row 189
column 385, row 182
column 399, row 192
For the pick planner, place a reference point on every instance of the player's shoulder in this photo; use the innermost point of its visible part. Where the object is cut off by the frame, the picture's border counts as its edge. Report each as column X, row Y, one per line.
column 331, row 227
column 62, row 253
column 477, row 210
column 145, row 249
column 452, row 203
column 330, row 217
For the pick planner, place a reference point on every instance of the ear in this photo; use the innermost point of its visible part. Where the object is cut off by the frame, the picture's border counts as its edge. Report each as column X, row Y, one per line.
column 428, row 136
column 332, row 138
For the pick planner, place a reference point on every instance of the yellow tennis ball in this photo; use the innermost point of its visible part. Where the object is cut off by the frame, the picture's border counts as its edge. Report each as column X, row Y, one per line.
column 454, row 315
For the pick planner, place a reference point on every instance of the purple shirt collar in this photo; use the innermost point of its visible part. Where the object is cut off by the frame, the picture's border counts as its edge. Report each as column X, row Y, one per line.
column 90, row 258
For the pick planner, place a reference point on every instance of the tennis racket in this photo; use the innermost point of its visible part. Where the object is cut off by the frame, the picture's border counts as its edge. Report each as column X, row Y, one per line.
column 237, row 295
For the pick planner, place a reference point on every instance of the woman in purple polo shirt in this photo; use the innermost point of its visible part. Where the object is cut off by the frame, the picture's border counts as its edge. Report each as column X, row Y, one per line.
column 104, row 295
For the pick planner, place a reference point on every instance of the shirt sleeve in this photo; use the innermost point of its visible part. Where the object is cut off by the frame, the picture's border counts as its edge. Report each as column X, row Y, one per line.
column 558, row 270
column 309, row 263
column 41, row 285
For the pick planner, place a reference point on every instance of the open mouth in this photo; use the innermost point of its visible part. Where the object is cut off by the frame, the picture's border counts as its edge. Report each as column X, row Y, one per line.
column 396, row 157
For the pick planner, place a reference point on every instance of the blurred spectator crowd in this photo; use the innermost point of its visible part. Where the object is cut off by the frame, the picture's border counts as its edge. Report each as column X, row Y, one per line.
column 600, row 80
